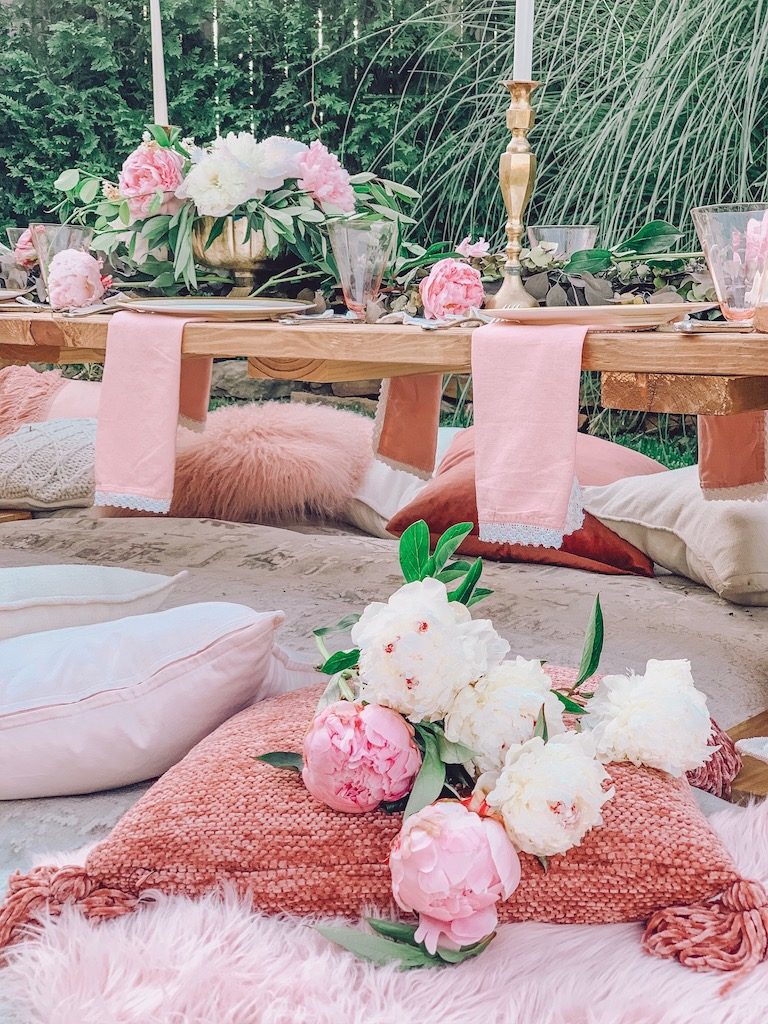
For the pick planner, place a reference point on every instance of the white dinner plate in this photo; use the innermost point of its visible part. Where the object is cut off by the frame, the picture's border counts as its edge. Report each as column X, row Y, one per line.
column 7, row 294
column 602, row 318
column 217, row 309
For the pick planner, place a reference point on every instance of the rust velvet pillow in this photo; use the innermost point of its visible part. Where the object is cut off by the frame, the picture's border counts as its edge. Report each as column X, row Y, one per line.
column 221, row 816
column 450, row 498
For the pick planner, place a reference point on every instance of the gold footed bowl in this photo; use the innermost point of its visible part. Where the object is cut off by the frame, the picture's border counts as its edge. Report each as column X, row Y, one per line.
column 247, row 260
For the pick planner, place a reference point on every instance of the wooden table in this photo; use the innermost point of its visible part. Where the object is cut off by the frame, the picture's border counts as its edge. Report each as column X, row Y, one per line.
column 653, row 371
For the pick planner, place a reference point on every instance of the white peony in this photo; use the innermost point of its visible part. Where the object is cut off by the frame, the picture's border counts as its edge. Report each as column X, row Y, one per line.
column 550, row 794
column 265, row 165
column 216, row 184
column 418, row 650
column 501, row 709
column 658, row 719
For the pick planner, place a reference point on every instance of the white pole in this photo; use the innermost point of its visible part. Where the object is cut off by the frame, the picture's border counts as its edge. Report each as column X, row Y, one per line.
column 160, row 102
column 523, row 40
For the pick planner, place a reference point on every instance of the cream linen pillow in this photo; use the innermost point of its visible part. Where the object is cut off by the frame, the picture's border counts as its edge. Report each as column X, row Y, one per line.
column 722, row 544
column 95, row 707
column 36, row 598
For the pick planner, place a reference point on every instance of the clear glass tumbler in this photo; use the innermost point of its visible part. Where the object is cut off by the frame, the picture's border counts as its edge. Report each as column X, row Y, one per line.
column 734, row 238
column 50, row 239
column 569, row 238
column 362, row 249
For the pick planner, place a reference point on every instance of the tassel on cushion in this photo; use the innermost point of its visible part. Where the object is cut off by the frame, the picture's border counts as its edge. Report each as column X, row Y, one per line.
column 726, row 933
column 48, row 890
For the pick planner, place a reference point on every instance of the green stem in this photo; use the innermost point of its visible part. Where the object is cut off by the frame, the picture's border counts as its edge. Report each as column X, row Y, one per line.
column 283, row 278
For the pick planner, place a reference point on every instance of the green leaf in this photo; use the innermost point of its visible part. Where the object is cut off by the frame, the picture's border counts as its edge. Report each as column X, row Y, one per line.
column 414, row 551
column 125, row 212
column 657, row 236
column 67, row 180
column 342, row 626
column 283, row 759
column 593, row 645
column 397, row 930
column 479, row 594
column 544, row 861
column 589, row 261
column 89, row 190
column 155, row 202
column 569, row 705
column 360, row 179
column 215, row 232
column 429, row 782
column 377, row 948
column 457, row 956
column 463, row 592
column 446, row 545
column 159, row 134
column 541, row 725
column 313, row 216
column 453, row 753
column 339, row 661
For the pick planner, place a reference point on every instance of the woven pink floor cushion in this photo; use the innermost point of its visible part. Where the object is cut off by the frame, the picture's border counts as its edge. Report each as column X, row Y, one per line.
column 220, row 816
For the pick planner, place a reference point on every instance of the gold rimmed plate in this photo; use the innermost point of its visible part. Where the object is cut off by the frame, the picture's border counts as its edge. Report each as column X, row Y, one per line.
column 614, row 317
column 217, row 309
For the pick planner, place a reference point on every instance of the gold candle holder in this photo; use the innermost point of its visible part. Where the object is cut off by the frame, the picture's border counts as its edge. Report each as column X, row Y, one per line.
column 517, row 173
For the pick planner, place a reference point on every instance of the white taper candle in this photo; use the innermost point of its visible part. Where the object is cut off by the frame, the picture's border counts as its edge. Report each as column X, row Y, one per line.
column 159, row 100
column 523, row 40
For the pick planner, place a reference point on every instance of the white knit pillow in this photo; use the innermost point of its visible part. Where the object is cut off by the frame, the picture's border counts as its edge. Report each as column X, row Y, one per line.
column 48, row 465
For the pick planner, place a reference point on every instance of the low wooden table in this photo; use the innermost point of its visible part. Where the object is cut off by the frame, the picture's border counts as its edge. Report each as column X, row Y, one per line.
column 652, row 371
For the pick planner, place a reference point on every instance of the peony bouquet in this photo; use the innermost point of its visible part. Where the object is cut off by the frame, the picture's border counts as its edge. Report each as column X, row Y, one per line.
column 428, row 716
column 280, row 187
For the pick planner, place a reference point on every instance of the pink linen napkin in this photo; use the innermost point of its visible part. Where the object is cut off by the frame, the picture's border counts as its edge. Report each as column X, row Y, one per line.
column 525, row 383
column 733, row 456
column 147, row 390
column 407, row 418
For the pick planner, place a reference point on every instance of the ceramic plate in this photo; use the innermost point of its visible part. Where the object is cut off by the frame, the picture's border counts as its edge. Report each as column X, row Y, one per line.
column 602, row 318
column 217, row 309
column 6, row 294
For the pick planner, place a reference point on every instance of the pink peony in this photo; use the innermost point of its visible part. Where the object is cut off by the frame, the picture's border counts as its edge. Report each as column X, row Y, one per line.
column 451, row 289
column 148, row 168
column 325, row 179
column 357, row 755
column 452, row 867
column 74, row 279
column 25, row 253
column 468, row 248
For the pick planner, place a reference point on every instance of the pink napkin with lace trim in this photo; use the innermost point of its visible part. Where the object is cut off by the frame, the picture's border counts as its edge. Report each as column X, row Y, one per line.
column 407, row 418
column 733, row 456
column 147, row 391
column 525, row 383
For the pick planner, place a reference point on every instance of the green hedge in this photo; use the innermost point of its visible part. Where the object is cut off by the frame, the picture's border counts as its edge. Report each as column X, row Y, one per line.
column 75, row 82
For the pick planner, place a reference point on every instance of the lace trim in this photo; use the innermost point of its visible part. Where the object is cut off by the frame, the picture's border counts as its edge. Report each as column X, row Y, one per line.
column 136, row 502
column 757, row 491
column 531, row 535
column 198, row 426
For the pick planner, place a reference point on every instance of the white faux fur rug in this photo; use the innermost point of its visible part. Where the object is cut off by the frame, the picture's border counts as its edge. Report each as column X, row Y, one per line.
column 213, row 962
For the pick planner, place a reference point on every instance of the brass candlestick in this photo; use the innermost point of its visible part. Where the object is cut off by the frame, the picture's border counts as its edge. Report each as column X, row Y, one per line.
column 517, row 173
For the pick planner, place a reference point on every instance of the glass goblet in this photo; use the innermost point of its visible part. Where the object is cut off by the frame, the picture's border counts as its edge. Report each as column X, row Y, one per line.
column 362, row 249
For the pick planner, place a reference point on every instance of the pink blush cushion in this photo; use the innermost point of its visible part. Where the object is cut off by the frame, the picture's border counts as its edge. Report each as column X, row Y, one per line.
column 221, row 816
column 75, row 400
column 600, row 462
column 98, row 706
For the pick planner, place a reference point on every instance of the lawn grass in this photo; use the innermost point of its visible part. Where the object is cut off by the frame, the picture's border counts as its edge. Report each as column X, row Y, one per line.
column 674, row 453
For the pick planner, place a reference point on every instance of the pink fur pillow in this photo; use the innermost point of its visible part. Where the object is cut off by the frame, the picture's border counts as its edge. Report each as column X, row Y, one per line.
column 27, row 396
column 270, row 462
column 221, row 816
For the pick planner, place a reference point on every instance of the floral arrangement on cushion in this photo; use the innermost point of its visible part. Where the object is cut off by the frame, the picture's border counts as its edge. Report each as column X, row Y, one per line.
column 283, row 188
column 427, row 715
column 434, row 804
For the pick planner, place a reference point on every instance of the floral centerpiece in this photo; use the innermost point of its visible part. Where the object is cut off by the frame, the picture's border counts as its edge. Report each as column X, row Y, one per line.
column 172, row 200
column 427, row 716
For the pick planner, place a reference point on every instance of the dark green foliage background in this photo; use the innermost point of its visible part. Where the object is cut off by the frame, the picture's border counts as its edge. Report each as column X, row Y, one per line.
column 75, row 82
